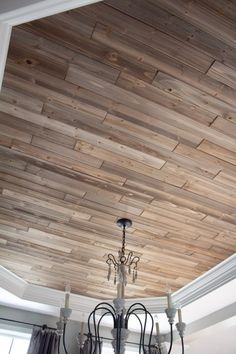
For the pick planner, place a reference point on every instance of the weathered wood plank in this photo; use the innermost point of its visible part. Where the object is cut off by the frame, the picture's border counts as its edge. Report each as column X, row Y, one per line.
column 165, row 64
column 140, row 132
column 154, row 124
column 226, row 126
column 119, row 109
column 96, row 68
column 144, row 105
column 19, row 99
column 90, row 48
column 153, row 15
column 193, row 96
column 167, row 97
column 217, row 151
column 223, row 73
column 24, row 130
column 155, row 39
column 203, row 17
column 32, row 57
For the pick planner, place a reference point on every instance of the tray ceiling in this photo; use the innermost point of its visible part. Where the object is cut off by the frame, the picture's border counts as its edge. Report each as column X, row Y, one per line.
column 119, row 109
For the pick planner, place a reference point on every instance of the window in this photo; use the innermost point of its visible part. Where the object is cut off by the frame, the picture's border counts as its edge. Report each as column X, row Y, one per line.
column 14, row 342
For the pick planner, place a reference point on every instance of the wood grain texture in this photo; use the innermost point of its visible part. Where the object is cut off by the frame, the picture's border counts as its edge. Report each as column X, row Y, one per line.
column 119, row 109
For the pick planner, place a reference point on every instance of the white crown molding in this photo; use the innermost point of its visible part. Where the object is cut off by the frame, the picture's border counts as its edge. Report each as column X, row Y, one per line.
column 12, row 283
column 5, row 35
column 22, row 14
column 213, row 318
column 216, row 277
column 54, row 297
column 40, row 9
column 210, row 281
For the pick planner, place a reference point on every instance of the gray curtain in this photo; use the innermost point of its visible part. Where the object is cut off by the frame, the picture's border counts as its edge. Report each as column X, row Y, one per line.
column 43, row 341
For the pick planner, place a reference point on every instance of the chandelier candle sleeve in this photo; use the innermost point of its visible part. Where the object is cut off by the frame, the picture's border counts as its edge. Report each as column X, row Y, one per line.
column 169, row 300
column 67, row 296
column 82, row 328
column 157, row 329
column 180, row 315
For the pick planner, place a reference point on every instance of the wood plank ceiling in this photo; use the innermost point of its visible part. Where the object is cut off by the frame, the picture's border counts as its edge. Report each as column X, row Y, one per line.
column 120, row 109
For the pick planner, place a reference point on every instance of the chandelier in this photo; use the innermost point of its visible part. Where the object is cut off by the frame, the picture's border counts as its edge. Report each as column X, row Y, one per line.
column 125, row 265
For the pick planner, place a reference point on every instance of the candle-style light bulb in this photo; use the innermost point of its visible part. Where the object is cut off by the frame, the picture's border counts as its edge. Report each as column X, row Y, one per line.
column 67, row 296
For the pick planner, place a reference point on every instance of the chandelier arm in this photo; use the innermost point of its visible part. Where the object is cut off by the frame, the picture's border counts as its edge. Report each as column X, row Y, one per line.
column 136, row 304
column 58, row 345
column 144, row 330
column 95, row 332
column 171, row 338
column 147, row 313
column 141, row 326
column 92, row 314
column 129, row 257
column 109, row 309
column 151, row 333
column 135, row 260
column 90, row 334
column 104, row 308
column 64, row 338
column 182, row 344
column 98, row 331
column 103, row 316
column 111, row 258
column 101, row 308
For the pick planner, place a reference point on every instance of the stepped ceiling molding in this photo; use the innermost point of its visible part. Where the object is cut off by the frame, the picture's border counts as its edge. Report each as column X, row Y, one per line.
column 118, row 109
column 209, row 300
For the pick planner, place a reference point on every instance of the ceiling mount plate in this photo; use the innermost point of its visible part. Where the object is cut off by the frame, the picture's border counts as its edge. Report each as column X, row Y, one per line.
column 124, row 223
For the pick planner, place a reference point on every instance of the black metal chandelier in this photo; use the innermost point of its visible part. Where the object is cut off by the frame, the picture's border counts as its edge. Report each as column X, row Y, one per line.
column 125, row 265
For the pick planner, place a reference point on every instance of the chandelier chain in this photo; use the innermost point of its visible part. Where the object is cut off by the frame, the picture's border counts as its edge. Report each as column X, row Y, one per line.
column 123, row 242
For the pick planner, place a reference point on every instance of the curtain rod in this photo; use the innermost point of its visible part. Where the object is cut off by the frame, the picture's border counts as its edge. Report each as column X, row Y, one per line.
column 27, row 323
column 41, row 326
column 110, row 339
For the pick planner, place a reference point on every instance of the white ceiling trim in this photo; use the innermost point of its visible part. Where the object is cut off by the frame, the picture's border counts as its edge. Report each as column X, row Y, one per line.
column 208, row 282
column 23, row 14
column 41, row 9
column 216, row 277
column 5, row 35
column 12, row 283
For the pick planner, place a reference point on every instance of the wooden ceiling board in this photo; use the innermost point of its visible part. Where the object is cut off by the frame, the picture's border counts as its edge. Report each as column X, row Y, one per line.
column 119, row 109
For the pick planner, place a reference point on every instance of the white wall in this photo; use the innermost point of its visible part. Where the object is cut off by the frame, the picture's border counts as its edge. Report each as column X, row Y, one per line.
column 217, row 339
